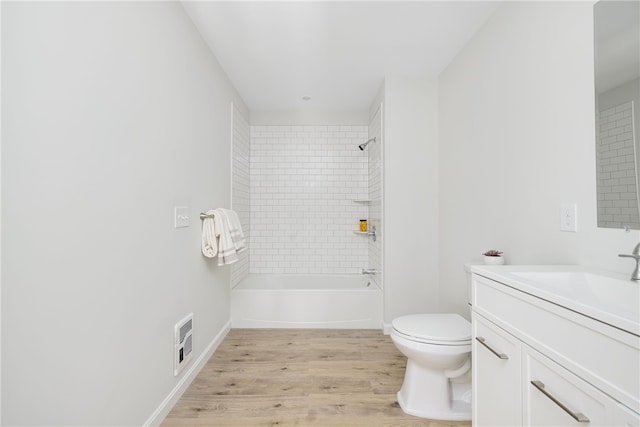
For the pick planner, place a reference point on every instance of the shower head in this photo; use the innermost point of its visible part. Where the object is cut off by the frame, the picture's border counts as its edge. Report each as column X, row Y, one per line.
column 364, row 144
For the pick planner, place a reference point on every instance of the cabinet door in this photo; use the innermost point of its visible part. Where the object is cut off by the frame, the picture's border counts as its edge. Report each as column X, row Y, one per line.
column 497, row 375
column 556, row 397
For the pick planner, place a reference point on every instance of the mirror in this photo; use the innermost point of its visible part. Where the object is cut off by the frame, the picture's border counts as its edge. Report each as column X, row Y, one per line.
column 617, row 88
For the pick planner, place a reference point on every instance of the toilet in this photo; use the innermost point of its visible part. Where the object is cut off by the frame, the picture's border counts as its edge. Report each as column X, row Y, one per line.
column 437, row 380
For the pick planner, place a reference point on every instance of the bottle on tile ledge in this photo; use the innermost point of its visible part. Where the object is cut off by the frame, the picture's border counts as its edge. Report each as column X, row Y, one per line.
column 363, row 225
column 493, row 257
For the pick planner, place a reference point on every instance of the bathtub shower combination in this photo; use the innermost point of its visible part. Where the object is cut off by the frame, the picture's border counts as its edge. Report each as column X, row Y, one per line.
column 301, row 193
column 295, row 301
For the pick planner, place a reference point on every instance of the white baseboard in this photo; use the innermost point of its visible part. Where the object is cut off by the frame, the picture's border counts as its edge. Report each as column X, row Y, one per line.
column 165, row 407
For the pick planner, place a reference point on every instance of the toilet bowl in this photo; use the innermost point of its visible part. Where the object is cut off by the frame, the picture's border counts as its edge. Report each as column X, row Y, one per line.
column 437, row 380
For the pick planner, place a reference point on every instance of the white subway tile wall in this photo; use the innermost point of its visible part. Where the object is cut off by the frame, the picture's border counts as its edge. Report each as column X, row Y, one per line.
column 304, row 180
column 617, row 195
column 240, row 189
column 375, row 193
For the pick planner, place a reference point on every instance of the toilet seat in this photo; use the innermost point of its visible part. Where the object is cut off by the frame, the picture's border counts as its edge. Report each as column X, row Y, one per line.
column 439, row 329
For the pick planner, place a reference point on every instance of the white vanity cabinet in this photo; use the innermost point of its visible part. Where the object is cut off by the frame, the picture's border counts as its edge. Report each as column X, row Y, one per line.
column 537, row 363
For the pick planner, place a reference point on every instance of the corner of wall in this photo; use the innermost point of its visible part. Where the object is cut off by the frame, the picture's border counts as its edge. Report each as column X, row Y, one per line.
column 377, row 100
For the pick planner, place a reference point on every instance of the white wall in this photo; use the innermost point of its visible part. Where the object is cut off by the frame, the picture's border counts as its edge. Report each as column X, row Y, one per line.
column 517, row 139
column 410, row 223
column 310, row 116
column 113, row 113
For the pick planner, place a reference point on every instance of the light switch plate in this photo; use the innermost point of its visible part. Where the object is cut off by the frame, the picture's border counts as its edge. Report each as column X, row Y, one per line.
column 181, row 216
column 568, row 217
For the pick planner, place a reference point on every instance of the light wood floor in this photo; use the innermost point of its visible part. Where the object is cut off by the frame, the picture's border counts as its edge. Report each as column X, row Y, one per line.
column 299, row 377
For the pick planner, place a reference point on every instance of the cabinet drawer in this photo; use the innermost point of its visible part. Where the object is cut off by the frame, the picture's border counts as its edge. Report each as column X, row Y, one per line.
column 604, row 356
column 496, row 362
column 555, row 397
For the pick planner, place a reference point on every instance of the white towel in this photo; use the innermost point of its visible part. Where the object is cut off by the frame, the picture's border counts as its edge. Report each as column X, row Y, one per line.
column 235, row 229
column 222, row 236
column 209, row 238
column 227, row 253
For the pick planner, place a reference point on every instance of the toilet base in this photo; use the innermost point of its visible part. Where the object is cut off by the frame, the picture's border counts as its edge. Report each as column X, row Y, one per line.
column 429, row 394
column 459, row 411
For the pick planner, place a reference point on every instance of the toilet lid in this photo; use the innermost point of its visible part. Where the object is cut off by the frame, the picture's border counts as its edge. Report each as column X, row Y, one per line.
column 449, row 327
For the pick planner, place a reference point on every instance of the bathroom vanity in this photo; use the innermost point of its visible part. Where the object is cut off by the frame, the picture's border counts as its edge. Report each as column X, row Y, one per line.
column 555, row 345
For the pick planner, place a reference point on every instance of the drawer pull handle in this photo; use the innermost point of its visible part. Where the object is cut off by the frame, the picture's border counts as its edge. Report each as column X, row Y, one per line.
column 500, row 355
column 581, row 418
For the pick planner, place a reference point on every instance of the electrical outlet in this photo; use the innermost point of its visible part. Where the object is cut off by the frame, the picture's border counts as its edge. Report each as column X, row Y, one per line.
column 568, row 217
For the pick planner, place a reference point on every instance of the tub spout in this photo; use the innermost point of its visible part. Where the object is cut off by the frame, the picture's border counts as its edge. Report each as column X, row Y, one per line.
column 371, row 271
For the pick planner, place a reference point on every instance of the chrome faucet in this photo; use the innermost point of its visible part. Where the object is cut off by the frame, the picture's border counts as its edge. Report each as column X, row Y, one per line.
column 371, row 271
column 635, row 255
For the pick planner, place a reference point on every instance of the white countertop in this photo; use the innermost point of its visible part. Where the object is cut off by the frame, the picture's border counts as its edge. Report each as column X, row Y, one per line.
column 605, row 296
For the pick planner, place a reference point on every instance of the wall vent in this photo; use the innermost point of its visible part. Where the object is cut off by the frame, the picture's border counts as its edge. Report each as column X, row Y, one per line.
column 183, row 343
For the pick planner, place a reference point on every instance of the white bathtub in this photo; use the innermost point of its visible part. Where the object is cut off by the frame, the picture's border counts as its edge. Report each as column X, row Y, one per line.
column 294, row 301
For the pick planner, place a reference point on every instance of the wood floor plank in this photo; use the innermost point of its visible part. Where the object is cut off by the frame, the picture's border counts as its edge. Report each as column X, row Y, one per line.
column 299, row 377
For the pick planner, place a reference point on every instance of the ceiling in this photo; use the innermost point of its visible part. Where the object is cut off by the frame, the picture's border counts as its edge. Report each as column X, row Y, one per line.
column 335, row 52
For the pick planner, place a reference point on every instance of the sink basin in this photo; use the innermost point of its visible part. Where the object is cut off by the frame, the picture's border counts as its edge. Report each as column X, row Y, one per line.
column 621, row 297
column 574, row 279
column 604, row 296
